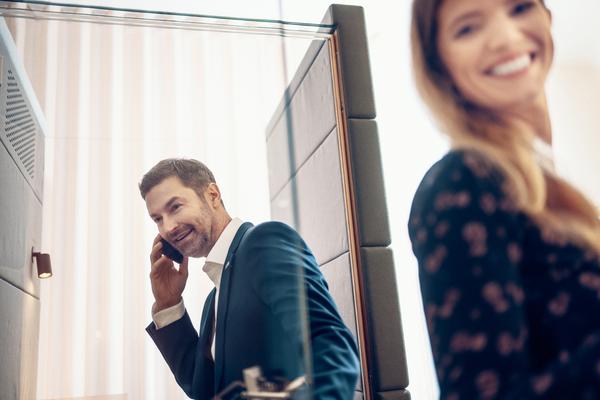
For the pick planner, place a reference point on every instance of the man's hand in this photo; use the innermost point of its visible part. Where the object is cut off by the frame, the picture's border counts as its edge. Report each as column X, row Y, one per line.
column 167, row 282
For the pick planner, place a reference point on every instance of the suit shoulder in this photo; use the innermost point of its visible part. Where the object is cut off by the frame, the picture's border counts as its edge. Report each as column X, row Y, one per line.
column 273, row 244
column 271, row 228
column 269, row 235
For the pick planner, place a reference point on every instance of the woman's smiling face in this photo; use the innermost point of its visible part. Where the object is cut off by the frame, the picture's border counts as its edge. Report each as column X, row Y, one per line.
column 497, row 52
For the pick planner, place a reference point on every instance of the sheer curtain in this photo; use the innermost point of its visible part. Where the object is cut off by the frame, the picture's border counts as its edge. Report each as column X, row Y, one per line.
column 118, row 99
column 410, row 144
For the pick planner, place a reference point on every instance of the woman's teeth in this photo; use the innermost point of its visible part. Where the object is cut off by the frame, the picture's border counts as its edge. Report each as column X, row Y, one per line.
column 510, row 67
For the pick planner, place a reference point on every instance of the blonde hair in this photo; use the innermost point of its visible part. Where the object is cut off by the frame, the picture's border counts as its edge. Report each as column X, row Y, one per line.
column 554, row 204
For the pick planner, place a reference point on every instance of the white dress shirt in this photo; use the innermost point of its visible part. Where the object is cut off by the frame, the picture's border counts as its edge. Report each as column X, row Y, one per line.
column 213, row 267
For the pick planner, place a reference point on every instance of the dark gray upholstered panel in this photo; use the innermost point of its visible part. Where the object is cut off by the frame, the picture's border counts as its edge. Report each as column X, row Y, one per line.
column 305, row 174
column 368, row 182
column 307, row 192
column 355, row 65
column 319, row 201
column 383, row 315
column 312, row 114
column 339, row 277
column 388, row 372
column 20, row 210
column 19, row 327
column 282, row 205
column 394, row 395
column 304, row 68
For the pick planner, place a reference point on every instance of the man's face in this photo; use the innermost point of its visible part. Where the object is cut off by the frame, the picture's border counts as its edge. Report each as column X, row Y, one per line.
column 184, row 219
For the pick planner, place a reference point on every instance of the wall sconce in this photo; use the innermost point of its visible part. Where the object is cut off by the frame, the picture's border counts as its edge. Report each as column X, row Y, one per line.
column 44, row 267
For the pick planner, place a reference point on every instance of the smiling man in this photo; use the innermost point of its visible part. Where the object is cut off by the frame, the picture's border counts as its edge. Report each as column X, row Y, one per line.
column 253, row 316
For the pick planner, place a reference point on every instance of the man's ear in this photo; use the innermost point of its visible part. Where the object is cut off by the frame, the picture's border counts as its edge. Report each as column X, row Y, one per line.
column 213, row 195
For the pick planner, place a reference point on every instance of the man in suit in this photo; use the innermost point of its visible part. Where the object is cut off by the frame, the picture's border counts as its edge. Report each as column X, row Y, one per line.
column 255, row 314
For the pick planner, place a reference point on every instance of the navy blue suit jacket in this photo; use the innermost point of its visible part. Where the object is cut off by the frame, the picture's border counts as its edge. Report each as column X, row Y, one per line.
column 259, row 321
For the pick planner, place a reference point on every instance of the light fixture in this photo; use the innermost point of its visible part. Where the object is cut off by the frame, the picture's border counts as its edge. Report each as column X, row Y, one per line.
column 44, row 267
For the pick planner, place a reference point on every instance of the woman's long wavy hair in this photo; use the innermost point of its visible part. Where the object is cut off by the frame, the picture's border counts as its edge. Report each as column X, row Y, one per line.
column 555, row 205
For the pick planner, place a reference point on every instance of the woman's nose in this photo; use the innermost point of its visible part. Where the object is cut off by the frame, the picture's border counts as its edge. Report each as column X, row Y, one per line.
column 504, row 33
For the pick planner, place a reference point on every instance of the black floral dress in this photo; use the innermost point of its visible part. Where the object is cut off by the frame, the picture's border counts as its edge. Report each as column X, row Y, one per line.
column 513, row 310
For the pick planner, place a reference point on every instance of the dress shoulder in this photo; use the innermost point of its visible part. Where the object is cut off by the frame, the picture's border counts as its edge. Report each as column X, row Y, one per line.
column 461, row 175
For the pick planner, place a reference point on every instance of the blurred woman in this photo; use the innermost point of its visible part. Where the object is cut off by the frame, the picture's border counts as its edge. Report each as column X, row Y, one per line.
column 509, row 253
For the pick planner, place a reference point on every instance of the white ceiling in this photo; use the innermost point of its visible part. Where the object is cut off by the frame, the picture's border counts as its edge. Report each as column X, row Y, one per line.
column 576, row 22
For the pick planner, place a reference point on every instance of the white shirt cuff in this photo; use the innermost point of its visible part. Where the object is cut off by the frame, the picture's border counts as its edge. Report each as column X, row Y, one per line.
column 169, row 315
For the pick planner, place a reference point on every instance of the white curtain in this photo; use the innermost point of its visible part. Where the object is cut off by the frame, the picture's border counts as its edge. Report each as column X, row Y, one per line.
column 410, row 144
column 118, row 99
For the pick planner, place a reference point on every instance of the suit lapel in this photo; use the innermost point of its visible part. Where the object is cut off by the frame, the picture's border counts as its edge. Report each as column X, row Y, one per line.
column 223, row 304
column 208, row 316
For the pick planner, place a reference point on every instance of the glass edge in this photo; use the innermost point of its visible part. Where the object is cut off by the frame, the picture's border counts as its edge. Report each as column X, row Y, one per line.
column 321, row 28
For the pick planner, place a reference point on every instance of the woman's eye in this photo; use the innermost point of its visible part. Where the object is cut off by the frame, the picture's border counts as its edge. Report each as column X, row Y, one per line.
column 464, row 31
column 175, row 207
column 522, row 7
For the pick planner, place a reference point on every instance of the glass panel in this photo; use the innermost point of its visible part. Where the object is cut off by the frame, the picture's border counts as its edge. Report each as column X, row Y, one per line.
column 123, row 89
column 172, row 20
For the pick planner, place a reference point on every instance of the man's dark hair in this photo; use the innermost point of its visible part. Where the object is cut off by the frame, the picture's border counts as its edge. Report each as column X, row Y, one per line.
column 192, row 173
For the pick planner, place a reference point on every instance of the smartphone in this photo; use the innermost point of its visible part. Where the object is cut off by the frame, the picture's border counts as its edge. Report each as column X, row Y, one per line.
column 171, row 252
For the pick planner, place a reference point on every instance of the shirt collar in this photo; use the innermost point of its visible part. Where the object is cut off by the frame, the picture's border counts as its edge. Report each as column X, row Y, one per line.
column 213, row 267
column 544, row 153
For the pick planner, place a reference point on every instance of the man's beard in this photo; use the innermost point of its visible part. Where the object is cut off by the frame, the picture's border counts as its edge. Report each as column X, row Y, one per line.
column 198, row 247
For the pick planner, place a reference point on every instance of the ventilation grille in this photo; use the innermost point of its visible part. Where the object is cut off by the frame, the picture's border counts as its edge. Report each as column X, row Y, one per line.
column 20, row 127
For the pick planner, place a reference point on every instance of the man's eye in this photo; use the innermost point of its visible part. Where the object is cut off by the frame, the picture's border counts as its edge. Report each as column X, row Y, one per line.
column 522, row 7
column 175, row 207
column 157, row 220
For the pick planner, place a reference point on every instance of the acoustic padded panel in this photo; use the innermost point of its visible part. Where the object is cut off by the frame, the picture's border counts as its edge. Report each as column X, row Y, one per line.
column 285, row 209
column 313, row 203
column 20, row 219
column 368, row 181
column 383, row 315
column 394, row 395
column 307, row 120
column 338, row 275
column 354, row 59
column 280, row 160
column 19, row 327
column 296, row 81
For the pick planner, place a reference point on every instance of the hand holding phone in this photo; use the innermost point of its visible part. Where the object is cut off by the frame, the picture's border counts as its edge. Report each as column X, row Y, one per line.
column 167, row 281
column 171, row 252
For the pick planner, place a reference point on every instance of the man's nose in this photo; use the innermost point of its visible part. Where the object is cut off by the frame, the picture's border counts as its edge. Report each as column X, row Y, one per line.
column 169, row 226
